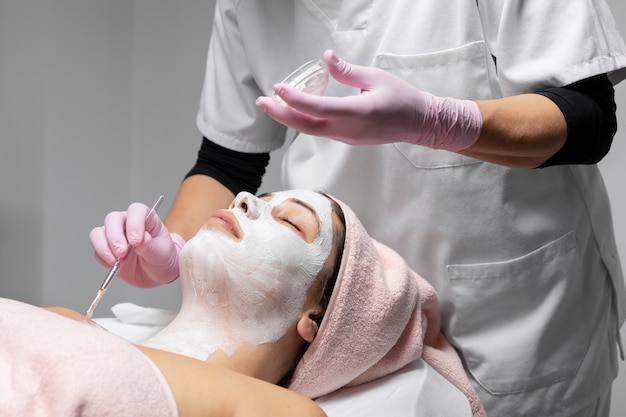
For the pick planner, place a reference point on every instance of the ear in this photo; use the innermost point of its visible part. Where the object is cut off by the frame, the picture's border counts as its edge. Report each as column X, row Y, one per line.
column 307, row 325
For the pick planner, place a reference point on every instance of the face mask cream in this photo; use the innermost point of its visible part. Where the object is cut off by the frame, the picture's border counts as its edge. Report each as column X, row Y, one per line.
column 249, row 289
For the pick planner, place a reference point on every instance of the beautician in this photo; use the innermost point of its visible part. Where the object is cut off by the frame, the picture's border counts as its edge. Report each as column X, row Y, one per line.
column 465, row 135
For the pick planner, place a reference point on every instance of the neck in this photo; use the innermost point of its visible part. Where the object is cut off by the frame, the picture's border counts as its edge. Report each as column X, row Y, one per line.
column 207, row 341
column 263, row 362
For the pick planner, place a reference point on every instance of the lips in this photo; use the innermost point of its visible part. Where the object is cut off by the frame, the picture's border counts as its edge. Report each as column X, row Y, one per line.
column 225, row 221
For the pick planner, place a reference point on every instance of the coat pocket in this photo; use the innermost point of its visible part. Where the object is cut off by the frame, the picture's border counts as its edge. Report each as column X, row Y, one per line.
column 521, row 324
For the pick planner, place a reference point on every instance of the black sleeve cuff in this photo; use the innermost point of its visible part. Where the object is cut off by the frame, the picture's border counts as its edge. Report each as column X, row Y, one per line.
column 237, row 171
column 589, row 110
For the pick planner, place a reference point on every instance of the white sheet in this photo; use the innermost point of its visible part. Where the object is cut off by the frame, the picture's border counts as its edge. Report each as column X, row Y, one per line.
column 414, row 391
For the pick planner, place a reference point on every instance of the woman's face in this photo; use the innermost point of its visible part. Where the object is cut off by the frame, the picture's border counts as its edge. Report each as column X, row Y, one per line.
column 291, row 230
column 256, row 260
column 301, row 218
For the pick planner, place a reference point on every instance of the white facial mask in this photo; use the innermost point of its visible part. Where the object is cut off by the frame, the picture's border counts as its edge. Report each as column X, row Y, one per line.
column 250, row 290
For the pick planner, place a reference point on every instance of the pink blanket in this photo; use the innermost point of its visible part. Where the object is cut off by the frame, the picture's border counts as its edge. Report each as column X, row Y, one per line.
column 54, row 366
column 382, row 316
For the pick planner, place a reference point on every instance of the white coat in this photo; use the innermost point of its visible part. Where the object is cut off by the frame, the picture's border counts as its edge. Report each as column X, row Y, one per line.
column 524, row 260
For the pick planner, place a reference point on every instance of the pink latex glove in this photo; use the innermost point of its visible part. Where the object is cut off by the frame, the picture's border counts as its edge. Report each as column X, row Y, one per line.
column 153, row 259
column 387, row 110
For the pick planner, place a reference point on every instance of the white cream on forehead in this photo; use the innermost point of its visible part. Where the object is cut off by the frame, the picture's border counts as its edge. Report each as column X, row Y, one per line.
column 248, row 291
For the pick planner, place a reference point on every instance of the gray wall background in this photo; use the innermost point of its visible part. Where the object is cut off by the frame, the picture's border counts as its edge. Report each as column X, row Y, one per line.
column 97, row 109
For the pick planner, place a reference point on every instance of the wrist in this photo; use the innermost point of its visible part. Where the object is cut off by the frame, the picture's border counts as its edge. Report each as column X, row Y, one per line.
column 449, row 124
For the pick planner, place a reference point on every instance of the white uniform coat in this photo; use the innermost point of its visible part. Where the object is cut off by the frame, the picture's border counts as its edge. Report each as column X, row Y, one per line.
column 524, row 260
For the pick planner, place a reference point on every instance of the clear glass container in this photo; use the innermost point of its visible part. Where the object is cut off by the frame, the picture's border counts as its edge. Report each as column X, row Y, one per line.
column 312, row 78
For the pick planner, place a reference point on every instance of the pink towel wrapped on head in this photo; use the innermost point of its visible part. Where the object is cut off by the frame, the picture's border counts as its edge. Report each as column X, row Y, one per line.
column 381, row 317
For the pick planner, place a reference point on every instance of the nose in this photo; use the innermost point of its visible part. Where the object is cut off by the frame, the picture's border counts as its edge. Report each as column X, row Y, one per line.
column 244, row 206
column 249, row 204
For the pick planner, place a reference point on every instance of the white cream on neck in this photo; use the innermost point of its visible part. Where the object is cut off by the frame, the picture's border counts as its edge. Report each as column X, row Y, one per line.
column 249, row 290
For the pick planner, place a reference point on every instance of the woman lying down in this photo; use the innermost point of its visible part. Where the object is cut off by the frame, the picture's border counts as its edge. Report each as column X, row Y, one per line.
column 285, row 299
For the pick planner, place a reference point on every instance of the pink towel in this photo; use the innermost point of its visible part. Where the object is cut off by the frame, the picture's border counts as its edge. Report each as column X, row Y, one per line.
column 381, row 317
column 54, row 366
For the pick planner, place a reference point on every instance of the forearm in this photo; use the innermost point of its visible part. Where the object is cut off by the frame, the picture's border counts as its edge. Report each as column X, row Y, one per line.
column 218, row 174
column 573, row 124
column 520, row 131
column 198, row 197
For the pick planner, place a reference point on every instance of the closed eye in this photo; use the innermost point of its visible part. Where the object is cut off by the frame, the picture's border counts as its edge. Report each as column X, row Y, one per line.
column 291, row 223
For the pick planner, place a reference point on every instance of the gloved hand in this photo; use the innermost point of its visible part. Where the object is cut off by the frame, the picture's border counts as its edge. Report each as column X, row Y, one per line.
column 387, row 110
column 148, row 251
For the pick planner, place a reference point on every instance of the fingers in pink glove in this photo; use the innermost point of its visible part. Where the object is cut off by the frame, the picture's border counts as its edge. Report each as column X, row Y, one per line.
column 121, row 230
column 136, row 227
column 148, row 251
column 387, row 110
column 124, row 229
column 308, row 113
column 288, row 114
column 322, row 107
column 348, row 74
column 323, row 115
column 102, row 251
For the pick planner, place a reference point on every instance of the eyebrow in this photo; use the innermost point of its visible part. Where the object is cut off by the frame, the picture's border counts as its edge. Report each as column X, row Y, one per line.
column 306, row 206
column 297, row 201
